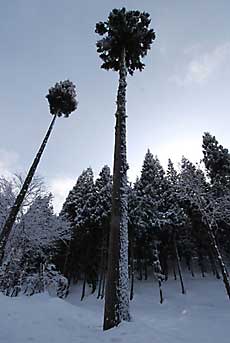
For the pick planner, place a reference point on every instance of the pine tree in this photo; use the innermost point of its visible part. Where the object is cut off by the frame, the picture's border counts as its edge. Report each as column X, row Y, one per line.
column 127, row 39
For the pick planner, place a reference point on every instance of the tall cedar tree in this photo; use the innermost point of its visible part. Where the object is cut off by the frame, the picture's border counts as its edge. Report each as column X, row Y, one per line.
column 196, row 191
column 126, row 40
column 62, row 101
column 174, row 218
column 103, row 189
column 79, row 209
column 216, row 160
column 149, row 211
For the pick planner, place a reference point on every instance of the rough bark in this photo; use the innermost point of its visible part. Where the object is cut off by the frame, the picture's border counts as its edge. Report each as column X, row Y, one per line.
column 19, row 200
column 116, row 295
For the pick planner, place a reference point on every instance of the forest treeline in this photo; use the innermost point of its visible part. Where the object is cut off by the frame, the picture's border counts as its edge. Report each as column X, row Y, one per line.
column 176, row 217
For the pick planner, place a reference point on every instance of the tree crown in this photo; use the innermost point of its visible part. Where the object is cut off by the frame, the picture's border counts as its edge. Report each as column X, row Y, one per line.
column 127, row 30
column 62, row 98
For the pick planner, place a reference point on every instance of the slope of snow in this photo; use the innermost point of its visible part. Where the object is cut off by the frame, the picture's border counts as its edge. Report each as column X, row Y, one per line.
column 199, row 316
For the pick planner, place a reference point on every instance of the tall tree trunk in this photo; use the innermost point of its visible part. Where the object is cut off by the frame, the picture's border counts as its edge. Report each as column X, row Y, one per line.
column 157, row 270
column 201, row 263
column 103, row 285
column 131, row 267
column 146, row 269
column 139, row 264
column 67, row 261
column 102, row 263
column 18, row 202
column 117, row 295
column 105, row 267
column 83, row 287
column 174, row 269
column 217, row 253
column 191, row 267
column 213, row 265
column 178, row 265
column 163, row 257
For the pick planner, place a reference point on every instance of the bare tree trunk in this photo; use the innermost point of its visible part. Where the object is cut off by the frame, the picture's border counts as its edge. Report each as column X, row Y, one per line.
column 201, row 263
column 146, row 269
column 18, row 202
column 132, row 269
column 161, row 292
column 83, row 287
column 105, row 264
column 103, row 285
column 163, row 257
column 216, row 251
column 213, row 265
column 191, row 267
column 66, row 262
column 157, row 270
column 178, row 265
column 117, row 296
column 140, row 268
column 100, row 282
column 102, row 263
column 174, row 270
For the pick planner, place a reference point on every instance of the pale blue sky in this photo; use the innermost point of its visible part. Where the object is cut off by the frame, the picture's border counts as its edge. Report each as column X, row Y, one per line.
column 183, row 91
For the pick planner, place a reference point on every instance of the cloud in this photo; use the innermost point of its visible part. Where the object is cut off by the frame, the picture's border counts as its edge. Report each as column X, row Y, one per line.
column 202, row 67
column 8, row 162
column 60, row 188
column 188, row 147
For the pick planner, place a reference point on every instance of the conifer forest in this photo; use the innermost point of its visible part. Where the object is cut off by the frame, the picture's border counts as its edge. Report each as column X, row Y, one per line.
column 161, row 238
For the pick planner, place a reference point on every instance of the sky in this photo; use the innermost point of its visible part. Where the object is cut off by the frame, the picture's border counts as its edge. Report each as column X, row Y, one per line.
column 182, row 92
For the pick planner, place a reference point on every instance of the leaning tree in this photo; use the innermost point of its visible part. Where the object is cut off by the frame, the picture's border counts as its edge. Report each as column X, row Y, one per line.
column 62, row 102
column 126, row 38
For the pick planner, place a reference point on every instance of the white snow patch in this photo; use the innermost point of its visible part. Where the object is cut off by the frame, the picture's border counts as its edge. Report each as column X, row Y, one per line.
column 202, row 315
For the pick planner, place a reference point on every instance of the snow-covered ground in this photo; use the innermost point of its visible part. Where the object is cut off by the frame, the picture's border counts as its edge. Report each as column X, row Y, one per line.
column 202, row 315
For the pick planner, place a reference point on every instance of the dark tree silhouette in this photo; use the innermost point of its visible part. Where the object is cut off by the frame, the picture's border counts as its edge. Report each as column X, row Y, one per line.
column 62, row 101
column 126, row 40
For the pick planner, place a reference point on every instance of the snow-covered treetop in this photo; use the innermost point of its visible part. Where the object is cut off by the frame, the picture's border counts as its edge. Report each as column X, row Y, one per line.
column 39, row 229
column 216, row 160
column 103, row 190
column 124, row 29
column 81, row 199
column 62, row 98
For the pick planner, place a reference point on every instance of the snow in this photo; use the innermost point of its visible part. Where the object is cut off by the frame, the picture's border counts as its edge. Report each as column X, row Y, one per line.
column 199, row 316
